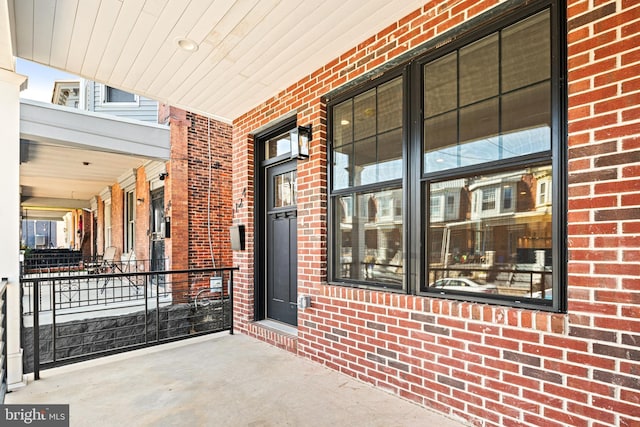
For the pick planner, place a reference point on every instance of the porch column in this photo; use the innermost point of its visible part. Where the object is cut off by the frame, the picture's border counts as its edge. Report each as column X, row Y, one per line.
column 10, row 86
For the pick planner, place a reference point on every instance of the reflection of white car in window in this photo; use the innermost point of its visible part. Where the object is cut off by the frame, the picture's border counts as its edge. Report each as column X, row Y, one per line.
column 463, row 284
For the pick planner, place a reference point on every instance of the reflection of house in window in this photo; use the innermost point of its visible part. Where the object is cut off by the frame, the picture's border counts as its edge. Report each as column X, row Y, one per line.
column 489, row 199
column 507, row 192
column 494, row 196
column 436, row 207
column 496, row 229
column 451, row 205
column 544, row 189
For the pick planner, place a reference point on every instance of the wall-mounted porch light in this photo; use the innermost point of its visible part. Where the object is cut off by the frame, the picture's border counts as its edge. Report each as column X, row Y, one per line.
column 300, row 138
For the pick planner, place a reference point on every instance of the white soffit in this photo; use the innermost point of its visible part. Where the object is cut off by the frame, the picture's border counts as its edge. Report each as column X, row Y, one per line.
column 247, row 51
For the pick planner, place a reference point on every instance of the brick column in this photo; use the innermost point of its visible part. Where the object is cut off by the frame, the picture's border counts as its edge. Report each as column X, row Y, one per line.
column 176, row 199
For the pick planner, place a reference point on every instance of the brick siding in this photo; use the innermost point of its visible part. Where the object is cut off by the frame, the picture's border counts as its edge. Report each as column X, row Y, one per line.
column 117, row 217
column 143, row 202
column 490, row 365
column 186, row 197
column 210, row 207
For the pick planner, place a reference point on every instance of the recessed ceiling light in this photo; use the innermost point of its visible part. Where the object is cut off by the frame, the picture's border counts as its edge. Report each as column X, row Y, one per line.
column 344, row 122
column 187, row 44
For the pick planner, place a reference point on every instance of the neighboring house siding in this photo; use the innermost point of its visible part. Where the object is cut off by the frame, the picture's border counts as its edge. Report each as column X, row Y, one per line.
column 144, row 109
column 489, row 364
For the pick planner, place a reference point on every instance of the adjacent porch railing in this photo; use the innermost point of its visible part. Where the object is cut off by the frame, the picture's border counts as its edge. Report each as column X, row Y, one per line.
column 68, row 318
column 47, row 262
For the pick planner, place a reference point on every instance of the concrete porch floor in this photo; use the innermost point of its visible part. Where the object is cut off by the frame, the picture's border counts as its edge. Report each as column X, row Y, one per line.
column 218, row 380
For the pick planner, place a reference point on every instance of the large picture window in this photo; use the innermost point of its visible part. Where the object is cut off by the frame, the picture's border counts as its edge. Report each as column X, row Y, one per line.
column 470, row 183
column 367, row 195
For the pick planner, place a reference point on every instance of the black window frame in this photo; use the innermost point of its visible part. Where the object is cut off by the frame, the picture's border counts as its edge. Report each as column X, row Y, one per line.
column 393, row 184
column 415, row 181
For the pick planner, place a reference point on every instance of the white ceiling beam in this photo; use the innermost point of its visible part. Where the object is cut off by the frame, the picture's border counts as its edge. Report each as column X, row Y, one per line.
column 51, row 123
column 7, row 42
column 55, row 203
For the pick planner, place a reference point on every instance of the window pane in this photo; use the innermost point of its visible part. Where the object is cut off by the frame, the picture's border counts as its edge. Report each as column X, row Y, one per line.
column 390, row 106
column 277, row 146
column 365, row 115
column 285, row 189
column 441, row 139
column 506, row 197
column 499, row 242
column 479, row 133
column 436, row 207
column 117, row 95
column 441, row 85
column 526, row 120
column 526, row 52
column 479, row 70
column 365, row 162
column 343, row 123
column 376, row 152
column 489, row 199
column 495, row 119
column 342, row 166
column 369, row 237
column 390, row 155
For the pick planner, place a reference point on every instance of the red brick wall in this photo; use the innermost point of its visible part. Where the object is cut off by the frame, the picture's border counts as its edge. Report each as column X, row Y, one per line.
column 176, row 192
column 143, row 255
column 210, row 207
column 187, row 193
column 490, row 365
column 117, row 217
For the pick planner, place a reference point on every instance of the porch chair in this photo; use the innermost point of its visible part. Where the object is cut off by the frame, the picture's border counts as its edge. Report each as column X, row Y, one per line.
column 109, row 264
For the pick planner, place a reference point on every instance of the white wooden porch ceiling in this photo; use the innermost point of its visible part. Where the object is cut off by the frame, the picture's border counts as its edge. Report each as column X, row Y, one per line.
column 248, row 50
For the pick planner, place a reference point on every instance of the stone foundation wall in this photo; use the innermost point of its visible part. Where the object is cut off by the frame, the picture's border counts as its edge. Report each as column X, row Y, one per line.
column 96, row 336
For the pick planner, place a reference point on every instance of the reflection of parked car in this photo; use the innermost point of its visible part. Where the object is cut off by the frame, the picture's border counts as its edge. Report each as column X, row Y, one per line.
column 463, row 284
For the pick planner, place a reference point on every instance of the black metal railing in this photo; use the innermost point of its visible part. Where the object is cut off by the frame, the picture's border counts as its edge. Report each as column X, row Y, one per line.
column 51, row 263
column 48, row 259
column 77, row 317
column 3, row 338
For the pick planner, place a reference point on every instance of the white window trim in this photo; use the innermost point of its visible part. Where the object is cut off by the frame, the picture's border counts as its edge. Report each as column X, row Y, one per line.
column 107, row 224
column 153, row 170
column 129, row 223
column 127, row 182
column 543, row 198
column 105, row 103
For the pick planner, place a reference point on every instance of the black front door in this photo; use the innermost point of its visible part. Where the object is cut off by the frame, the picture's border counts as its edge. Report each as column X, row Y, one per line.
column 157, row 230
column 282, row 243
